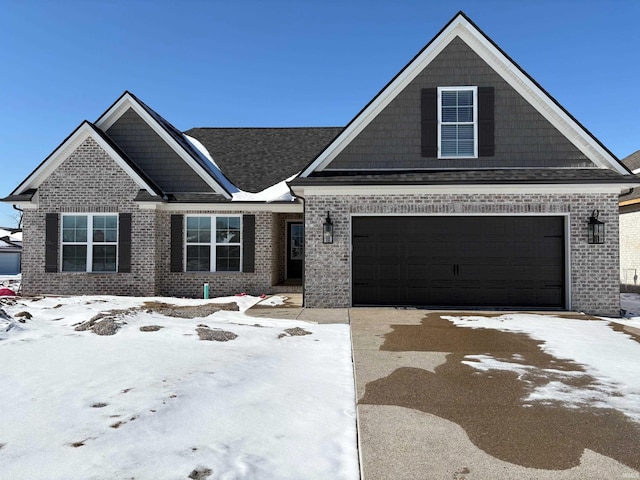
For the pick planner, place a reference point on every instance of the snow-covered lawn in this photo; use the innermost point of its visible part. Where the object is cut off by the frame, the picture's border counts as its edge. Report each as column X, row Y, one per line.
column 166, row 405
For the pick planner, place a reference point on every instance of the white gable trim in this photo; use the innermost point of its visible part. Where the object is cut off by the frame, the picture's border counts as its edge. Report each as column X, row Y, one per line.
column 126, row 102
column 60, row 154
column 512, row 74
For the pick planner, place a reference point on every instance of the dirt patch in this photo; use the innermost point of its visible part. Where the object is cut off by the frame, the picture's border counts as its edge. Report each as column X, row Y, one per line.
column 195, row 311
column 490, row 406
column 26, row 315
column 200, row 473
column 294, row 332
column 99, row 405
column 105, row 323
column 150, row 328
column 215, row 335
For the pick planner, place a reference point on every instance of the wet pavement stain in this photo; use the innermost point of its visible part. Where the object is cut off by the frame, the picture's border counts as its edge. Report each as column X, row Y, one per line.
column 490, row 405
column 633, row 332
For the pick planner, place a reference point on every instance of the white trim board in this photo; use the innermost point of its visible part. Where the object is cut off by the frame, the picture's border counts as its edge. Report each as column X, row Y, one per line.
column 350, row 190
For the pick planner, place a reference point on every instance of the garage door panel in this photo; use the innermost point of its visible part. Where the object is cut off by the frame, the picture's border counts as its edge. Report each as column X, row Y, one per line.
column 458, row 261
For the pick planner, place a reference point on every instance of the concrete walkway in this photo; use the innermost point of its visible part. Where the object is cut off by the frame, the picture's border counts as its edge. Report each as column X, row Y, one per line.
column 293, row 310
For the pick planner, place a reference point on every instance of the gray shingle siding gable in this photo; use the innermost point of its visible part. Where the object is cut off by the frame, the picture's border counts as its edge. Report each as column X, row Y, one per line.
column 153, row 156
column 523, row 137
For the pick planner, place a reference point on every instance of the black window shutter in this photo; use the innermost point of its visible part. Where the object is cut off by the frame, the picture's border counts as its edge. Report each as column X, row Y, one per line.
column 51, row 242
column 248, row 243
column 429, row 130
column 177, row 222
column 486, row 141
column 124, row 243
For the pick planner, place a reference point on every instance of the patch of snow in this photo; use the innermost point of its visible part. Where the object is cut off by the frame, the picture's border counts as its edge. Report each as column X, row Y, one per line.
column 279, row 192
column 273, row 301
column 204, row 154
column 162, row 404
column 608, row 356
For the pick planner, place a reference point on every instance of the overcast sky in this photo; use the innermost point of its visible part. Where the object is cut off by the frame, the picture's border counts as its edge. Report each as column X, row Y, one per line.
column 286, row 63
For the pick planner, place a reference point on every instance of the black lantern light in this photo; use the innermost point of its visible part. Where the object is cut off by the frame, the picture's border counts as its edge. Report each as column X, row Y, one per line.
column 595, row 228
column 327, row 230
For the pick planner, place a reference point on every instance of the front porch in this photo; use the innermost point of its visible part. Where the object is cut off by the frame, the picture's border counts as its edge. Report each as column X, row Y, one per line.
column 287, row 242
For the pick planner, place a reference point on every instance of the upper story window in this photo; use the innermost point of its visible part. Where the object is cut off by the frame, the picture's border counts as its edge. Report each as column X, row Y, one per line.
column 89, row 243
column 213, row 243
column 457, row 122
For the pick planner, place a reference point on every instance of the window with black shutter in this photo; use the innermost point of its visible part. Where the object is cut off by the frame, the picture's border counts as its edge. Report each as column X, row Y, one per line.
column 457, row 122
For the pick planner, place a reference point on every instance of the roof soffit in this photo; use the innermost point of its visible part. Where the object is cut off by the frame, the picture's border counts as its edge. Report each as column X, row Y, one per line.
column 127, row 101
column 460, row 26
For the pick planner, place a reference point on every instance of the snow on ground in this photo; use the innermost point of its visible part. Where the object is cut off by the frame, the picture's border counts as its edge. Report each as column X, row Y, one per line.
column 609, row 356
column 156, row 405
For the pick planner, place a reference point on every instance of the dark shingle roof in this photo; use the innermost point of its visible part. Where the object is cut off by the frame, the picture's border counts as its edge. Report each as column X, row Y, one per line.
column 632, row 161
column 257, row 158
column 471, row 177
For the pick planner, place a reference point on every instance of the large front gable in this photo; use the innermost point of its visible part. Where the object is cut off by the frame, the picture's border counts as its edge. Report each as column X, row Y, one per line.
column 462, row 104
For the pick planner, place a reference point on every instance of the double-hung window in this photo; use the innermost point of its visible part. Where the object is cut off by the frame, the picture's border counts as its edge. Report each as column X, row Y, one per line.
column 213, row 243
column 457, row 122
column 89, row 243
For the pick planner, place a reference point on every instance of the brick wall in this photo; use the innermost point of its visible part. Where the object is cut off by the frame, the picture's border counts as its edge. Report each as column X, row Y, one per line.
column 88, row 181
column 630, row 249
column 594, row 268
column 190, row 284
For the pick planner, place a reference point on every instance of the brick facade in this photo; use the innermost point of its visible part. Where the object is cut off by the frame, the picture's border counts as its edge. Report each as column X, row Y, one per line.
column 90, row 181
column 594, row 286
column 630, row 249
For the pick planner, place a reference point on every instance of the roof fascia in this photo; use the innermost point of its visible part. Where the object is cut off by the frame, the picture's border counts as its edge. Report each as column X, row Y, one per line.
column 73, row 141
column 506, row 189
column 461, row 26
column 128, row 100
column 238, row 207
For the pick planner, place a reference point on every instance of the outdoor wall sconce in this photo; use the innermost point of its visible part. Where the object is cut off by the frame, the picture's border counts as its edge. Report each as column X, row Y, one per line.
column 595, row 228
column 327, row 230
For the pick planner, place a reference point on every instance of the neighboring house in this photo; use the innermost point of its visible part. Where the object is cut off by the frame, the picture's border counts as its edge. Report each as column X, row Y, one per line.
column 10, row 250
column 461, row 184
column 630, row 231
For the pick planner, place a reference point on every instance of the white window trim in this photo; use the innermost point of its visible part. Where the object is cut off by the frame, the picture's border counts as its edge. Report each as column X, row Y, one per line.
column 212, row 244
column 475, row 120
column 89, row 243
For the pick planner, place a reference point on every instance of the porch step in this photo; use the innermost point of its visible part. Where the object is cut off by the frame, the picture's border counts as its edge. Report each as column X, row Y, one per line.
column 275, row 289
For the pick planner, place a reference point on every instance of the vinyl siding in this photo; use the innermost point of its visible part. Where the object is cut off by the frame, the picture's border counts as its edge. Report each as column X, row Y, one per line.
column 153, row 156
column 523, row 137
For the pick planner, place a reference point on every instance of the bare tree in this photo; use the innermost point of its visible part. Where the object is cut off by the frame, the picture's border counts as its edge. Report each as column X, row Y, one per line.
column 17, row 216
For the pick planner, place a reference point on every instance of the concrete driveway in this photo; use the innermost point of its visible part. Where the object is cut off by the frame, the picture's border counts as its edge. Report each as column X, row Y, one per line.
column 422, row 414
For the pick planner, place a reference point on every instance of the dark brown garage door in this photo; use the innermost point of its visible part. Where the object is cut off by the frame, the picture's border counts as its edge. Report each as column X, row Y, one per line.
column 459, row 261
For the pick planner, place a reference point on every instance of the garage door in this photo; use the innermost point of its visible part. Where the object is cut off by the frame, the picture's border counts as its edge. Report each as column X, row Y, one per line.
column 459, row 261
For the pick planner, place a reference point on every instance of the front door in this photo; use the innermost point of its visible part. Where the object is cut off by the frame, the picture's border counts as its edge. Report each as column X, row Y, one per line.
column 295, row 249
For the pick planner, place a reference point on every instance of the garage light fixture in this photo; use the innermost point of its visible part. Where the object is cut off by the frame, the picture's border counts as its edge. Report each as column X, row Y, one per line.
column 595, row 228
column 327, row 230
